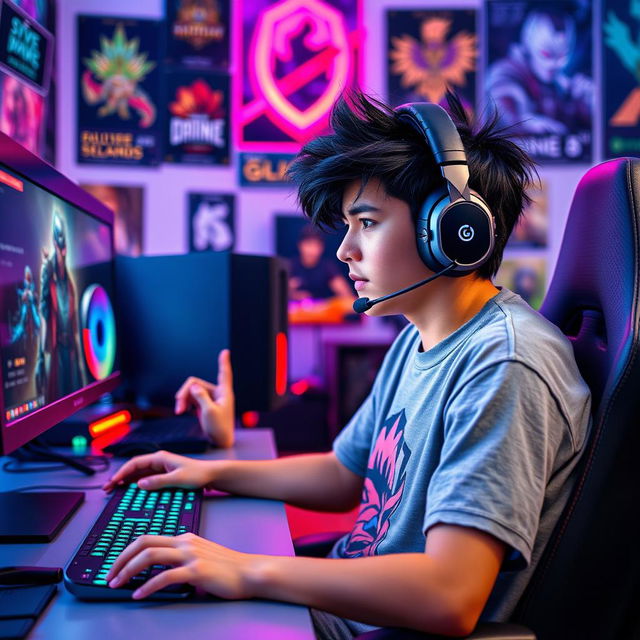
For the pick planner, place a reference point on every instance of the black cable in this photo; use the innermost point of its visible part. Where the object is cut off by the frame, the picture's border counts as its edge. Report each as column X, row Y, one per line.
column 37, row 451
column 99, row 463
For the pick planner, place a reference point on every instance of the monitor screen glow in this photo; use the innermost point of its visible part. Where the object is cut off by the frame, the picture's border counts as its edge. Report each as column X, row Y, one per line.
column 57, row 322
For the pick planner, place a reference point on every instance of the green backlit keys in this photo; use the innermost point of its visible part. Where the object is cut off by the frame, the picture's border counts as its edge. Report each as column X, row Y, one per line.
column 136, row 512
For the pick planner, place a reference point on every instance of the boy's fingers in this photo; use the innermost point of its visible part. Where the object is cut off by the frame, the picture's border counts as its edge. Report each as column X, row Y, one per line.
column 147, row 558
column 163, row 579
column 183, row 391
column 135, row 548
column 183, row 395
column 159, row 481
column 225, row 373
column 201, row 397
column 149, row 461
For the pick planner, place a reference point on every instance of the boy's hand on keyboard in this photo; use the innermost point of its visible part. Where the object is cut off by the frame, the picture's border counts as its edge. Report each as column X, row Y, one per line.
column 214, row 403
column 193, row 560
column 162, row 469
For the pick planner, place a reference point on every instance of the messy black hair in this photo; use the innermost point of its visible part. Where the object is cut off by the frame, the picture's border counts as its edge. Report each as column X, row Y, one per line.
column 369, row 140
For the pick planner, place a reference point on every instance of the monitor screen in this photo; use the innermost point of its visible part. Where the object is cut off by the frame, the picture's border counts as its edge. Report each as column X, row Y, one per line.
column 319, row 289
column 57, row 323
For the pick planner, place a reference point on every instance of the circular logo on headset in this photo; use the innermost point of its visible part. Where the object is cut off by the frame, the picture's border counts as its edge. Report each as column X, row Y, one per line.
column 466, row 232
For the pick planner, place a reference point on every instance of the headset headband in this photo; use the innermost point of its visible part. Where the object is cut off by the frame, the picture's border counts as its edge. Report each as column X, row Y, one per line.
column 443, row 138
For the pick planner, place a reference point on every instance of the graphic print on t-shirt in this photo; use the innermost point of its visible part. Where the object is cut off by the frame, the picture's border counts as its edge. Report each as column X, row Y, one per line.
column 383, row 487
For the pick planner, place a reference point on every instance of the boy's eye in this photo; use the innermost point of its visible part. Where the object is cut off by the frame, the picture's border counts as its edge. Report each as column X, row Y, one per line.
column 367, row 222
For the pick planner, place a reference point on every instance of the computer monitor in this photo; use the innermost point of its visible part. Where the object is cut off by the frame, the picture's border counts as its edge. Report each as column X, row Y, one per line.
column 57, row 322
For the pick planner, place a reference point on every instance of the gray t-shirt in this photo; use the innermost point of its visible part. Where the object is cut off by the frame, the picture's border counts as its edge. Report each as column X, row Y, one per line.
column 483, row 430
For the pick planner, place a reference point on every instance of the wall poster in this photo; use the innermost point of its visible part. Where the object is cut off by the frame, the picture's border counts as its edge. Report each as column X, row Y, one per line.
column 118, row 91
column 540, row 77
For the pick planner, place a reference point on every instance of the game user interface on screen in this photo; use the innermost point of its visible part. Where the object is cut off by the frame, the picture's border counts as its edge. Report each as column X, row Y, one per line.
column 58, row 333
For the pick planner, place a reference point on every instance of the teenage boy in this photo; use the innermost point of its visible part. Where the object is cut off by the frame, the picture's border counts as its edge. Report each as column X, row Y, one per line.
column 462, row 456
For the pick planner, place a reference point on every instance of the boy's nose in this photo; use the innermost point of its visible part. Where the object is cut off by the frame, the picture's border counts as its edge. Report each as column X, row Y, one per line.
column 348, row 251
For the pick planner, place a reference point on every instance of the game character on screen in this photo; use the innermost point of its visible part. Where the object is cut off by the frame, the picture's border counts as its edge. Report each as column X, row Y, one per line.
column 59, row 368
column 312, row 275
column 464, row 454
column 27, row 327
column 531, row 87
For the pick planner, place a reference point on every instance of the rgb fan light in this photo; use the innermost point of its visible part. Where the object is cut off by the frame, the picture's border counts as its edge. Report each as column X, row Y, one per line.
column 98, row 331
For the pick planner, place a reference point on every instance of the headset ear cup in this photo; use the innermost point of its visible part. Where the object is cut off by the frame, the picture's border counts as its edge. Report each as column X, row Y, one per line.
column 466, row 234
column 463, row 231
column 426, row 232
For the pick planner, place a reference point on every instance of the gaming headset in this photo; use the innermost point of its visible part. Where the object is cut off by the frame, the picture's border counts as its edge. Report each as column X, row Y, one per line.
column 455, row 230
column 454, row 223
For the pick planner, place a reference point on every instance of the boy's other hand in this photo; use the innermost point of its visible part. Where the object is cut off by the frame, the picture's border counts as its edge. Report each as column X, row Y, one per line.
column 162, row 469
column 214, row 403
column 194, row 560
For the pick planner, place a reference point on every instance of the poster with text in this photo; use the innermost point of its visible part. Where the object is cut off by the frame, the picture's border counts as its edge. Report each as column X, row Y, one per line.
column 197, row 33
column 211, row 221
column 28, row 115
column 430, row 51
column 118, row 90
column 621, row 75
column 197, row 118
column 26, row 47
column 126, row 202
column 296, row 57
column 264, row 169
column 539, row 76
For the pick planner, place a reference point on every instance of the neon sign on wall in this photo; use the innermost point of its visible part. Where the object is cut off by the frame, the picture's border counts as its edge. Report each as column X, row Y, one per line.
column 297, row 56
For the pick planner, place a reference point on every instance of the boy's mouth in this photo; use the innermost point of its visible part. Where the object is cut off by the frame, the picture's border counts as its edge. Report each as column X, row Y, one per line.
column 358, row 281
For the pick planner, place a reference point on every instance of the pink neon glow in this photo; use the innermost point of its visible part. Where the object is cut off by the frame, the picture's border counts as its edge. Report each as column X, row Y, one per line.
column 291, row 83
column 272, row 36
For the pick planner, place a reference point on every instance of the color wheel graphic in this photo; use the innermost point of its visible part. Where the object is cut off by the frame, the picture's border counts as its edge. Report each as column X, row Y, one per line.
column 98, row 331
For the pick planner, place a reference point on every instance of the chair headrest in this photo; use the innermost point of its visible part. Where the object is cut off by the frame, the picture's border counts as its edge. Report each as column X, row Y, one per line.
column 593, row 294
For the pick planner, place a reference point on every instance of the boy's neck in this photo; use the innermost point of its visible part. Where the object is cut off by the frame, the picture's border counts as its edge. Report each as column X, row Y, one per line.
column 448, row 306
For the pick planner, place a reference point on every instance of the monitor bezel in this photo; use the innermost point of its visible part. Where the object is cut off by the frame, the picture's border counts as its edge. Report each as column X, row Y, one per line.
column 25, row 164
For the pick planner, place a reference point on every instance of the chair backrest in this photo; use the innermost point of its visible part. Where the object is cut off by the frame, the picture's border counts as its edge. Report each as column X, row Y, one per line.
column 587, row 580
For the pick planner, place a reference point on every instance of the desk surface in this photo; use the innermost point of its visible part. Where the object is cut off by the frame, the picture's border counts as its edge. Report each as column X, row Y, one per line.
column 245, row 524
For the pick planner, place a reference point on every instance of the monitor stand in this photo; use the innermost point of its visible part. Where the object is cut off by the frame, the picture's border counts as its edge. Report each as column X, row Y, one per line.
column 35, row 517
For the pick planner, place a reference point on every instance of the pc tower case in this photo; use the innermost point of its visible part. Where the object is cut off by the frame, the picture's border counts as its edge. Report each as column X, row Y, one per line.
column 178, row 311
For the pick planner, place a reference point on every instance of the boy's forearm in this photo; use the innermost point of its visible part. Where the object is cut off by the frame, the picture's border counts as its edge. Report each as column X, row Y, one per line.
column 405, row 590
column 313, row 481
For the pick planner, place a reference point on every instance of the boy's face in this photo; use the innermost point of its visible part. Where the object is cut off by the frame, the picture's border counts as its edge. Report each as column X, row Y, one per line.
column 380, row 248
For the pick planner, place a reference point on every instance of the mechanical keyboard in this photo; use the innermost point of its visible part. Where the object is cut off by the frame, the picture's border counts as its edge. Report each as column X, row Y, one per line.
column 131, row 512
